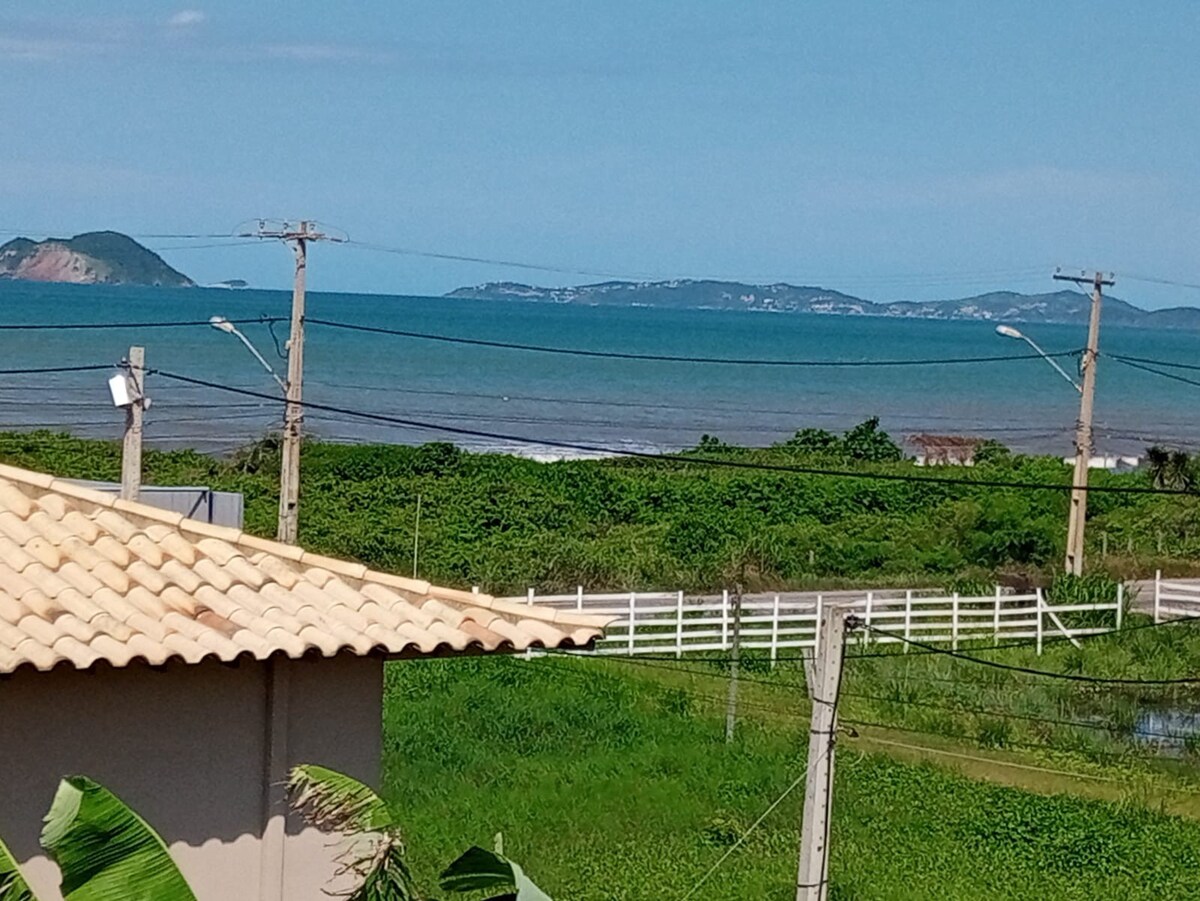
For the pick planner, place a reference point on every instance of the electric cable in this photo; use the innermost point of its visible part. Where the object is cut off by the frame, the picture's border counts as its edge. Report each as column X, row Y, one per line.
column 667, row 358
column 684, row 460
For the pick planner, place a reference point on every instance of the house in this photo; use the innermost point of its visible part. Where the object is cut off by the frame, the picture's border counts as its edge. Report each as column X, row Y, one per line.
column 187, row 666
column 945, row 450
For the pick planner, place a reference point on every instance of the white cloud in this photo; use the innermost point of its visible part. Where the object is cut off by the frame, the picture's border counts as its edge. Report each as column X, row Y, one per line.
column 186, row 18
column 312, row 52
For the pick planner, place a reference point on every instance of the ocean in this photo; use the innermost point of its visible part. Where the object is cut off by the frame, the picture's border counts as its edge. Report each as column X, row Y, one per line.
column 523, row 399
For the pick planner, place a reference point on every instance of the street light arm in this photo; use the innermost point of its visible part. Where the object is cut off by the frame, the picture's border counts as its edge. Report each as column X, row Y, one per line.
column 1053, row 362
column 254, row 350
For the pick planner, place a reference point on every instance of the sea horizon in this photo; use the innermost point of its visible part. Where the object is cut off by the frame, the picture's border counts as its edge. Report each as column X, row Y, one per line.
column 523, row 402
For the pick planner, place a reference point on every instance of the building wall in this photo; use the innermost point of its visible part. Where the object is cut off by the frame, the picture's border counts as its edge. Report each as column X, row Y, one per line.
column 191, row 748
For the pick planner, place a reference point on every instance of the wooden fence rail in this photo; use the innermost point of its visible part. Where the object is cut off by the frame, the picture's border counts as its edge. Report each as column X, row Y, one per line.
column 672, row 623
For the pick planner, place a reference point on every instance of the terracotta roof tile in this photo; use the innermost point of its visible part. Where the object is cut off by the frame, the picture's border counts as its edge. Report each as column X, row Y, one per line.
column 85, row 578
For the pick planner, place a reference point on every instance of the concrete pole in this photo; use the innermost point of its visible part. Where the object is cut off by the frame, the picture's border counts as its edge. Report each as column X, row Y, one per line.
column 289, row 470
column 812, row 881
column 1083, row 439
column 131, row 447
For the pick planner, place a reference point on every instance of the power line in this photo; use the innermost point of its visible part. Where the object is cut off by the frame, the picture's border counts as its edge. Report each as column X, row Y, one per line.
column 43, row 370
column 1029, row 671
column 420, row 425
column 667, row 358
column 1160, row 281
column 1004, row 714
column 62, row 326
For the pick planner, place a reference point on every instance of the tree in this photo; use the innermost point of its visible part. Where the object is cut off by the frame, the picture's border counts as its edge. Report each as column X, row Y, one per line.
column 335, row 802
column 814, row 442
column 1170, row 469
column 866, row 441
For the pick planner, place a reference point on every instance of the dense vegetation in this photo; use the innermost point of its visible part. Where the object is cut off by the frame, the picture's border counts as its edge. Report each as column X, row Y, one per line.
column 506, row 523
column 615, row 785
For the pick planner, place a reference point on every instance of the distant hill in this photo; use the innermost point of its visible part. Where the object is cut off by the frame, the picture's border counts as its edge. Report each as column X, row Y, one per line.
column 1070, row 307
column 94, row 258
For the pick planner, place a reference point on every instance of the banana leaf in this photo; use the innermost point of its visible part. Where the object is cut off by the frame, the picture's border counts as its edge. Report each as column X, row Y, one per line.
column 479, row 869
column 106, row 852
column 374, row 852
column 13, row 886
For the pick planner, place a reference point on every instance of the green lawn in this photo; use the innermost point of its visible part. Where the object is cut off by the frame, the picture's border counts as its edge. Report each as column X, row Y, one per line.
column 613, row 782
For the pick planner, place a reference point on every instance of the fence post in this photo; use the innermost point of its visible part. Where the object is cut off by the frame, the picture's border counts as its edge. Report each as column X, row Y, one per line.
column 734, row 655
column 775, row 631
column 907, row 618
column 1040, row 610
column 996, row 619
column 725, row 619
column 954, row 623
column 529, row 601
column 579, row 598
column 632, row 614
column 1120, row 604
column 1157, row 595
column 679, row 626
column 817, row 629
column 866, row 635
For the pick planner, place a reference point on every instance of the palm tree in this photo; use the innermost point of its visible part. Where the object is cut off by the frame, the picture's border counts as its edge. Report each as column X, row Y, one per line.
column 1171, row 469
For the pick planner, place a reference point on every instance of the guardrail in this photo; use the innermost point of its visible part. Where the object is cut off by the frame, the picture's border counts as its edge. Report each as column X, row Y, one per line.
column 673, row 623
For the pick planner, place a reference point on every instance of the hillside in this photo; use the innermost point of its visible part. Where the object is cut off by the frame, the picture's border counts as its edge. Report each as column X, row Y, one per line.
column 1070, row 307
column 93, row 258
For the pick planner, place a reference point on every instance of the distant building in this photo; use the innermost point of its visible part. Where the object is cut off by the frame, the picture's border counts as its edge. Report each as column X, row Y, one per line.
column 944, row 450
column 1111, row 462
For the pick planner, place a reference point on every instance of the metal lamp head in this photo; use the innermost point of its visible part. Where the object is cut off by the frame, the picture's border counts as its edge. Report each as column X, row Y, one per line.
column 1008, row 331
column 220, row 323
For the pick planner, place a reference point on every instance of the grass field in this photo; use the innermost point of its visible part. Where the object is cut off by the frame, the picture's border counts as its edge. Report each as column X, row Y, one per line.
column 613, row 783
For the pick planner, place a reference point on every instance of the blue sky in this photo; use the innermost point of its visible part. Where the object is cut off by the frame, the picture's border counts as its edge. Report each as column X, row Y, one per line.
column 896, row 150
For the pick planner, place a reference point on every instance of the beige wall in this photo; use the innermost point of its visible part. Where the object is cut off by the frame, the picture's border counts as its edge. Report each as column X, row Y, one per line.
column 191, row 749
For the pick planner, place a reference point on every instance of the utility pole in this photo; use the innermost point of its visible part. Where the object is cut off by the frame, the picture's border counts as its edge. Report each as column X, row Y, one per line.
column 735, row 653
column 131, row 447
column 812, row 880
column 298, row 237
column 1077, row 519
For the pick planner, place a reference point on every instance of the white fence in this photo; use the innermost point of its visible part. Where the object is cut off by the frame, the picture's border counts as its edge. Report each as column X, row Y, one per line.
column 672, row 623
column 1175, row 600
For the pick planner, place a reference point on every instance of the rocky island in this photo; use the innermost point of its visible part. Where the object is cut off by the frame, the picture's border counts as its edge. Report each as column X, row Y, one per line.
column 93, row 258
column 1068, row 307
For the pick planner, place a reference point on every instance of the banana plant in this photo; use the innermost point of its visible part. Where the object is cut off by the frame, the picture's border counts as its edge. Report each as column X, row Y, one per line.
column 334, row 802
column 13, row 886
column 481, row 870
column 105, row 851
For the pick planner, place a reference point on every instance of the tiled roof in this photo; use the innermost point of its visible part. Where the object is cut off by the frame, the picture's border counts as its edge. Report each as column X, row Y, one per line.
column 85, row 578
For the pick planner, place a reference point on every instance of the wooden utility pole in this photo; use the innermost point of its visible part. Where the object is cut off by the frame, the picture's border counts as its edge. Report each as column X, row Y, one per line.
column 1077, row 519
column 735, row 654
column 812, row 880
column 131, row 447
column 289, row 471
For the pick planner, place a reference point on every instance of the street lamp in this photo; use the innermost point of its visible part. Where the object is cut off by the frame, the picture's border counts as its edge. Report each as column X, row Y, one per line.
column 221, row 324
column 1008, row 331
column 1077, row 511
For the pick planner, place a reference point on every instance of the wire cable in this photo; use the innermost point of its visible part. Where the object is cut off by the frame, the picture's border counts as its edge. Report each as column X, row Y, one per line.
column 62, row 326
column 1029, row 671
column 667, row 358
column 684, row 460
column 43, row 370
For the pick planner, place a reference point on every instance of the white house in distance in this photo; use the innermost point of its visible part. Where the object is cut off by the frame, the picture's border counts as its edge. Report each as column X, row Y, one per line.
column 188, row 666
